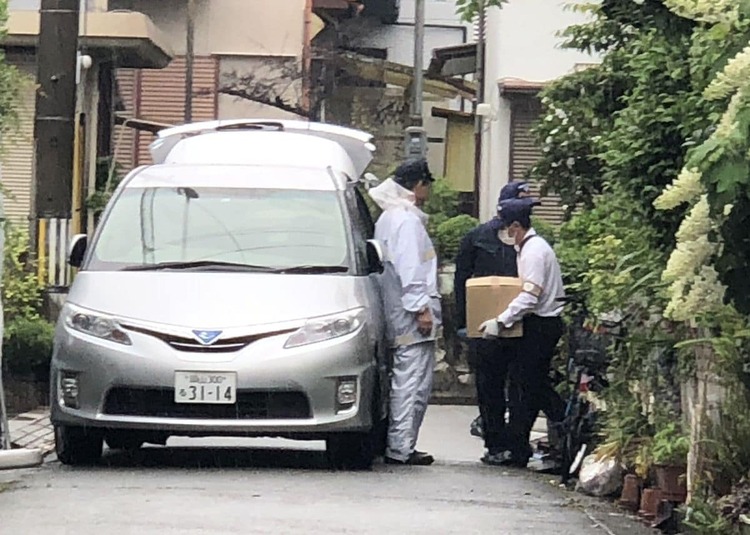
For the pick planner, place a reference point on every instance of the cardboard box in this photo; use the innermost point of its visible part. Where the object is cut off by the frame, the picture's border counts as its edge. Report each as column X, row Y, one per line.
column 488, row 297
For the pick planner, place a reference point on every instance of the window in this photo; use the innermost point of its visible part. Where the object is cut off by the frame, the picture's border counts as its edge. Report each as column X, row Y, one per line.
column 274, row 228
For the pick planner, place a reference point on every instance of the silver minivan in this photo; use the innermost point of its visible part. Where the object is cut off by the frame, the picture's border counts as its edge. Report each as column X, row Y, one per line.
column 230, row 289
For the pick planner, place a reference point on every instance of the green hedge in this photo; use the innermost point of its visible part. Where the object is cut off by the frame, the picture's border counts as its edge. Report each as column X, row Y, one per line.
column 449, row 234
column 27, row 340
column 27, row 348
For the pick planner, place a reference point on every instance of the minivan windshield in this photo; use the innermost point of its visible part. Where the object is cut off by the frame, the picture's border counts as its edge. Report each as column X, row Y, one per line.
column 215, row 228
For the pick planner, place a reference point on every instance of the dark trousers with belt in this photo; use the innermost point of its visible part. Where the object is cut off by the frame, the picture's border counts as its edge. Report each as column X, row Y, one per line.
column 491, row 360
column 533, row 391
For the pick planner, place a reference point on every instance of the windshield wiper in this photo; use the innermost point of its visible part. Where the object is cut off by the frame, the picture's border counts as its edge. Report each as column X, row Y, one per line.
column 201, row 264
column 313, row 269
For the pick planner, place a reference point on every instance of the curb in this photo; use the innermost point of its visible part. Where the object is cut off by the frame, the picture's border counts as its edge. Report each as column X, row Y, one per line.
column 20, row 458
column 33, row 431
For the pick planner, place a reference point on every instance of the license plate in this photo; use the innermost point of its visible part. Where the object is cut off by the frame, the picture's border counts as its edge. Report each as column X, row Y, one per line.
column 205, row 387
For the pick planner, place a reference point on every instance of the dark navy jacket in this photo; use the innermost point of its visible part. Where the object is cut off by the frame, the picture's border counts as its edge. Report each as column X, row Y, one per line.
column 481, row 254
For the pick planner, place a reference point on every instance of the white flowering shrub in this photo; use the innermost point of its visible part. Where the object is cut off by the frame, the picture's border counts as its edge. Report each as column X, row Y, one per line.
column 712, row 11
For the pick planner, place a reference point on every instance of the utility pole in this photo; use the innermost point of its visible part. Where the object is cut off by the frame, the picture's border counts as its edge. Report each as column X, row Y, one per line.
column 54, row 126
column 416, row 137
column 189, row 61
column 478, row 118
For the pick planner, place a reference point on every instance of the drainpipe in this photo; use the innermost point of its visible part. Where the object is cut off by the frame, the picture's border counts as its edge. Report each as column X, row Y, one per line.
column 478, row 122
column 307, row 57
column 189, row 61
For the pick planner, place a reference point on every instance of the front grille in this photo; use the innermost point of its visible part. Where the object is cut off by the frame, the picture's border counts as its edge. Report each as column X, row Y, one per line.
column 226, row 345
column 251, row 405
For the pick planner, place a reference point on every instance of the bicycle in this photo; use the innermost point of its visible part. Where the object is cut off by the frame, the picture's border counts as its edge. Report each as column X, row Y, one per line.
column 587, row 363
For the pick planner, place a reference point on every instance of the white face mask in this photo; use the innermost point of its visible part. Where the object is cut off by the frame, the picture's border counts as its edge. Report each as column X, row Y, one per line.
column 506, row 238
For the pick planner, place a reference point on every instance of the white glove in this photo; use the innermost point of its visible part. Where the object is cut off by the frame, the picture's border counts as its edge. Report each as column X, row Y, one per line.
column 490, row 329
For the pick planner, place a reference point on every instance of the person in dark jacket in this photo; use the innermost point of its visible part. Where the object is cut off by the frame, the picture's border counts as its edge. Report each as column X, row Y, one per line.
column 483, row 254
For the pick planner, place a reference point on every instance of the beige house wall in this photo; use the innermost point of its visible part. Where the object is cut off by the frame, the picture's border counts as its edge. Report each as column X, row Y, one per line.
column 228, row 27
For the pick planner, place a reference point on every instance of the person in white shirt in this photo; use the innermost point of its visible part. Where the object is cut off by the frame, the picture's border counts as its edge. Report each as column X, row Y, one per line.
column 539, row 307
column 411, row 303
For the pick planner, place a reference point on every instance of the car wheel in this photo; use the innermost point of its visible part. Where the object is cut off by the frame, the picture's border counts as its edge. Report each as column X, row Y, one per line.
column 78, row 445
column 118, row 440
column 350, row 451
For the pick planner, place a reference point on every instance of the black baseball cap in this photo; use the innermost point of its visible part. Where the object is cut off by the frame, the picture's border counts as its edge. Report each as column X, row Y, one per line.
column 512, row 190
column 512, row 210
column 414, row 170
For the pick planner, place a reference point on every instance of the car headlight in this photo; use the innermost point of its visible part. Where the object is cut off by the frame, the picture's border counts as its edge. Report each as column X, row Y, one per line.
column 95, row 324
column 327, row 328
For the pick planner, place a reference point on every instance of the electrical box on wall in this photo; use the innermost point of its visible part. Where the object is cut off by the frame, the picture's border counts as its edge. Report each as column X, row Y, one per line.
column 416, row 142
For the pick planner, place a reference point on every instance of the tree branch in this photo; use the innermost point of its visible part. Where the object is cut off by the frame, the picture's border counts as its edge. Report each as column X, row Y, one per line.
column 276, row 102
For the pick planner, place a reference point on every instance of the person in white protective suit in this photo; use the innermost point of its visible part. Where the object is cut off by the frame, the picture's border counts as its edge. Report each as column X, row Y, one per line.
column 411, row 304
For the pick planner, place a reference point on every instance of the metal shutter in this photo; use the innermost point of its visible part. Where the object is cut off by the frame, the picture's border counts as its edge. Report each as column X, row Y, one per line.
column 524, row 153
column 161, row 97
column 18, row 156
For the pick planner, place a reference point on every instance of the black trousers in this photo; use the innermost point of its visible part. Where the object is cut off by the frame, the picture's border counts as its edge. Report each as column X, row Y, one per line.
column 533, row 391
column 492, row 359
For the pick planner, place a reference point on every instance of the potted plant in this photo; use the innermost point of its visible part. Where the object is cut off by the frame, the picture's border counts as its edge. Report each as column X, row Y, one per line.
column 669, row 452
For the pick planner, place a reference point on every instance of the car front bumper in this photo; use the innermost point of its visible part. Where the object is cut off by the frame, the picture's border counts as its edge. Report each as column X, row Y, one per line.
column 281, row 392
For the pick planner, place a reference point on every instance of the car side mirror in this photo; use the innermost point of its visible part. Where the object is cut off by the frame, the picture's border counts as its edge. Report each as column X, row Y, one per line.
column 370, row 181
column 77, row 250
column 375, row 256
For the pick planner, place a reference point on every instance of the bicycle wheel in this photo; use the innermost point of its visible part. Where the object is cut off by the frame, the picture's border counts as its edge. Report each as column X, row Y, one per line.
column 582, row 437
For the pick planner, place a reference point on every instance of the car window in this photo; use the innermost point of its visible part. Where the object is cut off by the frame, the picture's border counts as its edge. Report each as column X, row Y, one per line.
column 360, row 231
column 261, row 227
column 365, row 215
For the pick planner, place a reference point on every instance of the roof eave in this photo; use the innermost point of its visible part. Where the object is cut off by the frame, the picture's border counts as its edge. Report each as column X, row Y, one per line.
column 128, row 38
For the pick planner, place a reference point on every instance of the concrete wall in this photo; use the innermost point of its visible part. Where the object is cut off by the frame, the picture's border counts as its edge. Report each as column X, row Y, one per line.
column 442, row 28
column 522, row 43
column 275, row 77
column 228, row 27
column 436, row 12
column 246, row 36
column 399, row 41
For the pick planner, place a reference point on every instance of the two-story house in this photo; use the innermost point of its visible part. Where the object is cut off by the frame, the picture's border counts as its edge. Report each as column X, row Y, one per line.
column 111, row 40
column 522, row 57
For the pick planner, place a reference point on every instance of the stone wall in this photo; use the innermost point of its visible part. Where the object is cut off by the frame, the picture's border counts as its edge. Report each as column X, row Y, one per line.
column 380, row 111
column 453, row 381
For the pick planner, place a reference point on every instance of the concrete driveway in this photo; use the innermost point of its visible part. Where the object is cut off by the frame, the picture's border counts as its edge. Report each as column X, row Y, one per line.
column 230, row 486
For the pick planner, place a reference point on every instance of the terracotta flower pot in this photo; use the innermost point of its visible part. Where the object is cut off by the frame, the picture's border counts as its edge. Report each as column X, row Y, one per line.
column 671, row 481
column 631, row 492
column 650, row 500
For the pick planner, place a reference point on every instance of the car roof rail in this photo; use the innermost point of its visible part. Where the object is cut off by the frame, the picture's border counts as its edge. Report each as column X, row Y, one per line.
column 265, row 125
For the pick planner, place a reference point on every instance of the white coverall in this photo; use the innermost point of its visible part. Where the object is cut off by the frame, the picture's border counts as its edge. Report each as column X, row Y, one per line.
column 409, row 284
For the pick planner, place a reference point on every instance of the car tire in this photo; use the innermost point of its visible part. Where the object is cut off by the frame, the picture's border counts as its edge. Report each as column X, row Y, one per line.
column 78, row 446
column 118, row 440
column 350, row 451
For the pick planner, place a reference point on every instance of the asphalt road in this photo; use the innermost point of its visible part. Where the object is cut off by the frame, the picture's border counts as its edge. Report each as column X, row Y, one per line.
column 227, row 486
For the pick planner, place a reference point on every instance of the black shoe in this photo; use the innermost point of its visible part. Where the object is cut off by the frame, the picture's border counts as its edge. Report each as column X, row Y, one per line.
column 415, row 459
column 476, row 428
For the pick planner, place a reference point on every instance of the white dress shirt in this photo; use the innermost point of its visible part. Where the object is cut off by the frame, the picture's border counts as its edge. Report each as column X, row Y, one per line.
column 542, row 282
